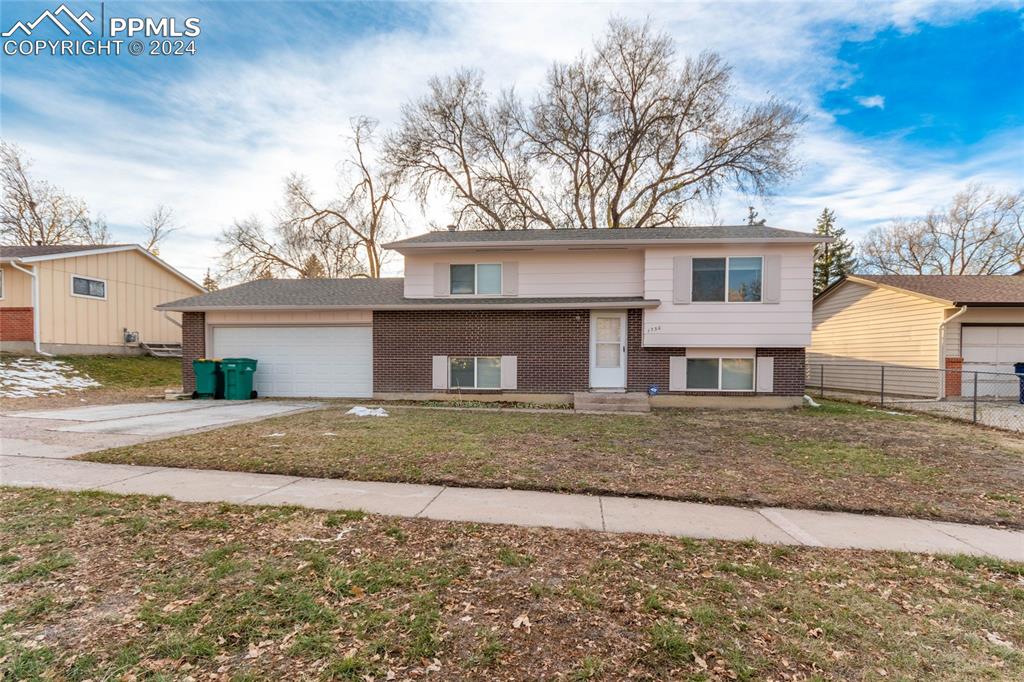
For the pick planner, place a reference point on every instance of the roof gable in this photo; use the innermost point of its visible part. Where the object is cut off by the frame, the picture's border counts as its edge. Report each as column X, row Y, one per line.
column 954, row 290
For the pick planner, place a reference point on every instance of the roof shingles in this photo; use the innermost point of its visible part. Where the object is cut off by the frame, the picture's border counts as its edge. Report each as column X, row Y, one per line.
column 19, row 251
column 960, row 289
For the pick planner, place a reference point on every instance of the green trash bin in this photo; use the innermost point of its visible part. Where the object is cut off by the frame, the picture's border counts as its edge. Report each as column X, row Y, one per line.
column 238, row 378
column 209, row 379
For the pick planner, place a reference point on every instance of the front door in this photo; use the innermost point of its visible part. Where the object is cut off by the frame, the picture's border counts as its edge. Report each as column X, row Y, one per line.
column 607, row 349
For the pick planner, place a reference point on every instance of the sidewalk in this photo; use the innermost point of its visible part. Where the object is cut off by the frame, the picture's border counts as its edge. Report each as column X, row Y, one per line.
column 524, row 508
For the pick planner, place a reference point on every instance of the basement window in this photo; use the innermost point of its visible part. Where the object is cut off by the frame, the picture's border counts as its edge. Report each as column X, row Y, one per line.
column 88, row 287
column 474, row 372
column 720, row 374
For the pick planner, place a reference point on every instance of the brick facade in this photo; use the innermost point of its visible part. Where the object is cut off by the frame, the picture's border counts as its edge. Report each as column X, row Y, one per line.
column 954, row 377
column 193, row 346
column 553, row 346
column 16, row 324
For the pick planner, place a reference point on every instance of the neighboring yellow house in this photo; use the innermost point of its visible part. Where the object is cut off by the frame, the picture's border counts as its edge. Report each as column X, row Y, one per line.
column 961, row 323
column 73, row 299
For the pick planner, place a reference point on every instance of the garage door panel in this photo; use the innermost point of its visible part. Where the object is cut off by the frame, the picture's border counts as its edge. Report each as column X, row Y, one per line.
column 992, row 350
column 303, row 361
column 1011, row 336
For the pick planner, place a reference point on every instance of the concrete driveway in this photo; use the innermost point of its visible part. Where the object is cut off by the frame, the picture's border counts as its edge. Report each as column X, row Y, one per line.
column 64, row 433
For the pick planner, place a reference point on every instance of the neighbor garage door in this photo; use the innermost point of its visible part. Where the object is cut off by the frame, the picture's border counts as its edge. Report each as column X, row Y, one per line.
column 990, row 350
column 303, row 361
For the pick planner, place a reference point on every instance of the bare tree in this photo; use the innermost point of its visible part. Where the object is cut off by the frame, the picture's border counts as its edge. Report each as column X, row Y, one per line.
column 980, row 233
column 339, row 236
column 623, row 137
column 159, row 226
column 32, row 211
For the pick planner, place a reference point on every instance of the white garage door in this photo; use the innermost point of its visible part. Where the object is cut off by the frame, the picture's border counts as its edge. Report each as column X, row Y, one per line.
column 991, row 349
column 303, row 362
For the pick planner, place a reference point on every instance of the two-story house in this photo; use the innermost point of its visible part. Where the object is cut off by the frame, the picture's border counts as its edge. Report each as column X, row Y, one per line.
column 695, row 315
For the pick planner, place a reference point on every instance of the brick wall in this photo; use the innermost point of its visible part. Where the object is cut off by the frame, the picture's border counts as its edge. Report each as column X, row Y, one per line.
column 954, row 377
column 16, row 324
column 647, row 366
column 552, row 346
column 193, row 346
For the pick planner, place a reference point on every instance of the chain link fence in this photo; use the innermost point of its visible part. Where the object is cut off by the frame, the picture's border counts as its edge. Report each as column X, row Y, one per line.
column 989, row 398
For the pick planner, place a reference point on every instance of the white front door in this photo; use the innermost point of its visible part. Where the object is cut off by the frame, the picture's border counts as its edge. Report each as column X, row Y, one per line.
column 607, row 349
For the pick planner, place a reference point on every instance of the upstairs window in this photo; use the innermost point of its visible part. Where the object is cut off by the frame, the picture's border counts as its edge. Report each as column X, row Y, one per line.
column 87, row 287
column 476, row 279
column 732, row 280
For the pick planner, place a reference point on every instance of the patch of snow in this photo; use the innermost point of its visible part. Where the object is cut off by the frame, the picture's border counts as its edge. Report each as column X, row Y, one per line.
column 898, row 414
column 31, row 377
column 329, row 433
column 361, row 411
column 810, row 401
column 272, row 435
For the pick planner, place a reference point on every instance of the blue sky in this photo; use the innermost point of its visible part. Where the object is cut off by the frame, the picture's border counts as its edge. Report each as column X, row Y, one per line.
column 907, row 102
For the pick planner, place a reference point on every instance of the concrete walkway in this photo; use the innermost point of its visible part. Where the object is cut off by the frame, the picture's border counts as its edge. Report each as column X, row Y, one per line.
column 523, row 508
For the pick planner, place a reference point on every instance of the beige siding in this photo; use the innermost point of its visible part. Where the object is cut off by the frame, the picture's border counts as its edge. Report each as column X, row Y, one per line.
column 17, row 288
column 978, row 316
column 564, row 272
column 288, row 317
column 858, row 328
column 135, row 284
column 734, row 325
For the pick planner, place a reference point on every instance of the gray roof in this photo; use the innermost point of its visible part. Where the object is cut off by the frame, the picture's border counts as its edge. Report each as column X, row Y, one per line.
column 18, row 251
column 380, row 294
column 640, row 235
column 959, row 289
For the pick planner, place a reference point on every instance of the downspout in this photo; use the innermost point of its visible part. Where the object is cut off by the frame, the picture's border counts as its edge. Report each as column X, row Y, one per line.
column 167, row 316
column 942, row 349
column 35, row 306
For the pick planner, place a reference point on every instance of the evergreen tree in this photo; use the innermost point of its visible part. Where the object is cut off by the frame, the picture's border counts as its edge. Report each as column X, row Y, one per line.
column 834, row 260
column 209, row 281
column 313, row 268
column 752, row 219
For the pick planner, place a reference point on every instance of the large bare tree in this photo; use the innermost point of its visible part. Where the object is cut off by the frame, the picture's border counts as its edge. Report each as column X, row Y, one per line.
column 335, row 237
column 626, row 136
column 159, row 226
column 32, row 211
column 980, row 232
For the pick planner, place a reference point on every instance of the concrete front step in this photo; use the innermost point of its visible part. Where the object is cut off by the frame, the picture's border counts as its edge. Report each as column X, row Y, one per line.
column 611, row 402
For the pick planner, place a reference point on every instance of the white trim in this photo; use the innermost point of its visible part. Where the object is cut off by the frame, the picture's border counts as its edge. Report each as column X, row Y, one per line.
column 720, row 352
column 71, row 282
column 112, row 249
column 469, row 305
column 693, row 272
column 623, row 243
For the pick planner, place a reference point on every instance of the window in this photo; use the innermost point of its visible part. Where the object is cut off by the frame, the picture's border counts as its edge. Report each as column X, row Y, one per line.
column 720, row 374
column 478, row 279
column 735, row 280
column 90, row 288
column 474, row 372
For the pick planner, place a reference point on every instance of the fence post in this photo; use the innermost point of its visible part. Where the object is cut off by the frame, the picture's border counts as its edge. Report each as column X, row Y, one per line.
column 882, row 390
column 821, row 383
column 975, row 418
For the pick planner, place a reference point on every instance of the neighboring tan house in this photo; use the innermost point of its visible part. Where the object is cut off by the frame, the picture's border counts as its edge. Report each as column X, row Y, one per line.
column 75, row 299
column 706, row 314
column 973, row 323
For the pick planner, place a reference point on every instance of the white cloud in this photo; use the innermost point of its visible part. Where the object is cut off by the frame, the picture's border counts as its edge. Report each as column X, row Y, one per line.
column 872, row 102
column 217, row 139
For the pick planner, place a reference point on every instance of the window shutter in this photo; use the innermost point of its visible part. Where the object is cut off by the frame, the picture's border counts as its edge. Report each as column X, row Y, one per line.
column 765, row 375
column 771, row 284
column 442, row 279
column 440, row 372
column 682, row 269
column 510, row 278
column 509, row 372
column 677, row 373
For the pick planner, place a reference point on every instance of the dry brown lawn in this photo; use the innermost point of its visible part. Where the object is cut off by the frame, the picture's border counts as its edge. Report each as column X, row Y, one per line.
column 98, row 587
column 838, row 457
